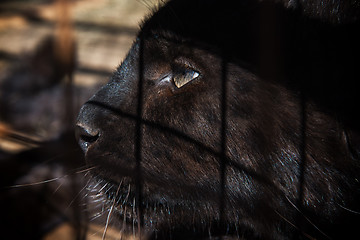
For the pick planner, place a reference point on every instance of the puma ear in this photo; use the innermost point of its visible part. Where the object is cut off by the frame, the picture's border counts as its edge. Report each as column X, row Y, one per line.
column 352, row 140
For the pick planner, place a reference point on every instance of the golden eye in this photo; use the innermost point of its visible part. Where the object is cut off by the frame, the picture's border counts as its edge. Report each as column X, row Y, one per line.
column 184, row 76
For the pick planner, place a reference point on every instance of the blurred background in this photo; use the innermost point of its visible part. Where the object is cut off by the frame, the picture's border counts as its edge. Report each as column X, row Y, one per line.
column 54, row 54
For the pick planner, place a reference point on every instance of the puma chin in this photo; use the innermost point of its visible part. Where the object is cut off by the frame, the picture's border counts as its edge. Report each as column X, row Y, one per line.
column 231, row 119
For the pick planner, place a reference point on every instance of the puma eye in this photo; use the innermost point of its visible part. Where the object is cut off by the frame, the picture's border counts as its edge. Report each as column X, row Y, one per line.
column 184, row 76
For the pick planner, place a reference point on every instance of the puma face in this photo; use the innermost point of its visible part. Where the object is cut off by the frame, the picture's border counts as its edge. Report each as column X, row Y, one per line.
column 201, row 133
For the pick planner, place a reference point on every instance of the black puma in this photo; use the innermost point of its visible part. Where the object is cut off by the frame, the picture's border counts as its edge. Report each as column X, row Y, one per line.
column 233, row 119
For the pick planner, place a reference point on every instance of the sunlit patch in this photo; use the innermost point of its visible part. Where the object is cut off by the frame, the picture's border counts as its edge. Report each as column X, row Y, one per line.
column 166, row 79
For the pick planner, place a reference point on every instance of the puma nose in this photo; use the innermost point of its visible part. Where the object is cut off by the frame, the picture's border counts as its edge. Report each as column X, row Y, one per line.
column 86, row 136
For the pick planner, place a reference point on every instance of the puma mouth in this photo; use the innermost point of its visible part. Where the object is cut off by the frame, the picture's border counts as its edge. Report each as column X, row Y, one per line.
column 122, row 198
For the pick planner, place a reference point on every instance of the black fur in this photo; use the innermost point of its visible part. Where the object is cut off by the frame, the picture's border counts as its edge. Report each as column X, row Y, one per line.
column 264, row 143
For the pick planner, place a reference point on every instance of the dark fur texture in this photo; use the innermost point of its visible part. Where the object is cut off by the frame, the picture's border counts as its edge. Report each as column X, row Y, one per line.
column 263, row 144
